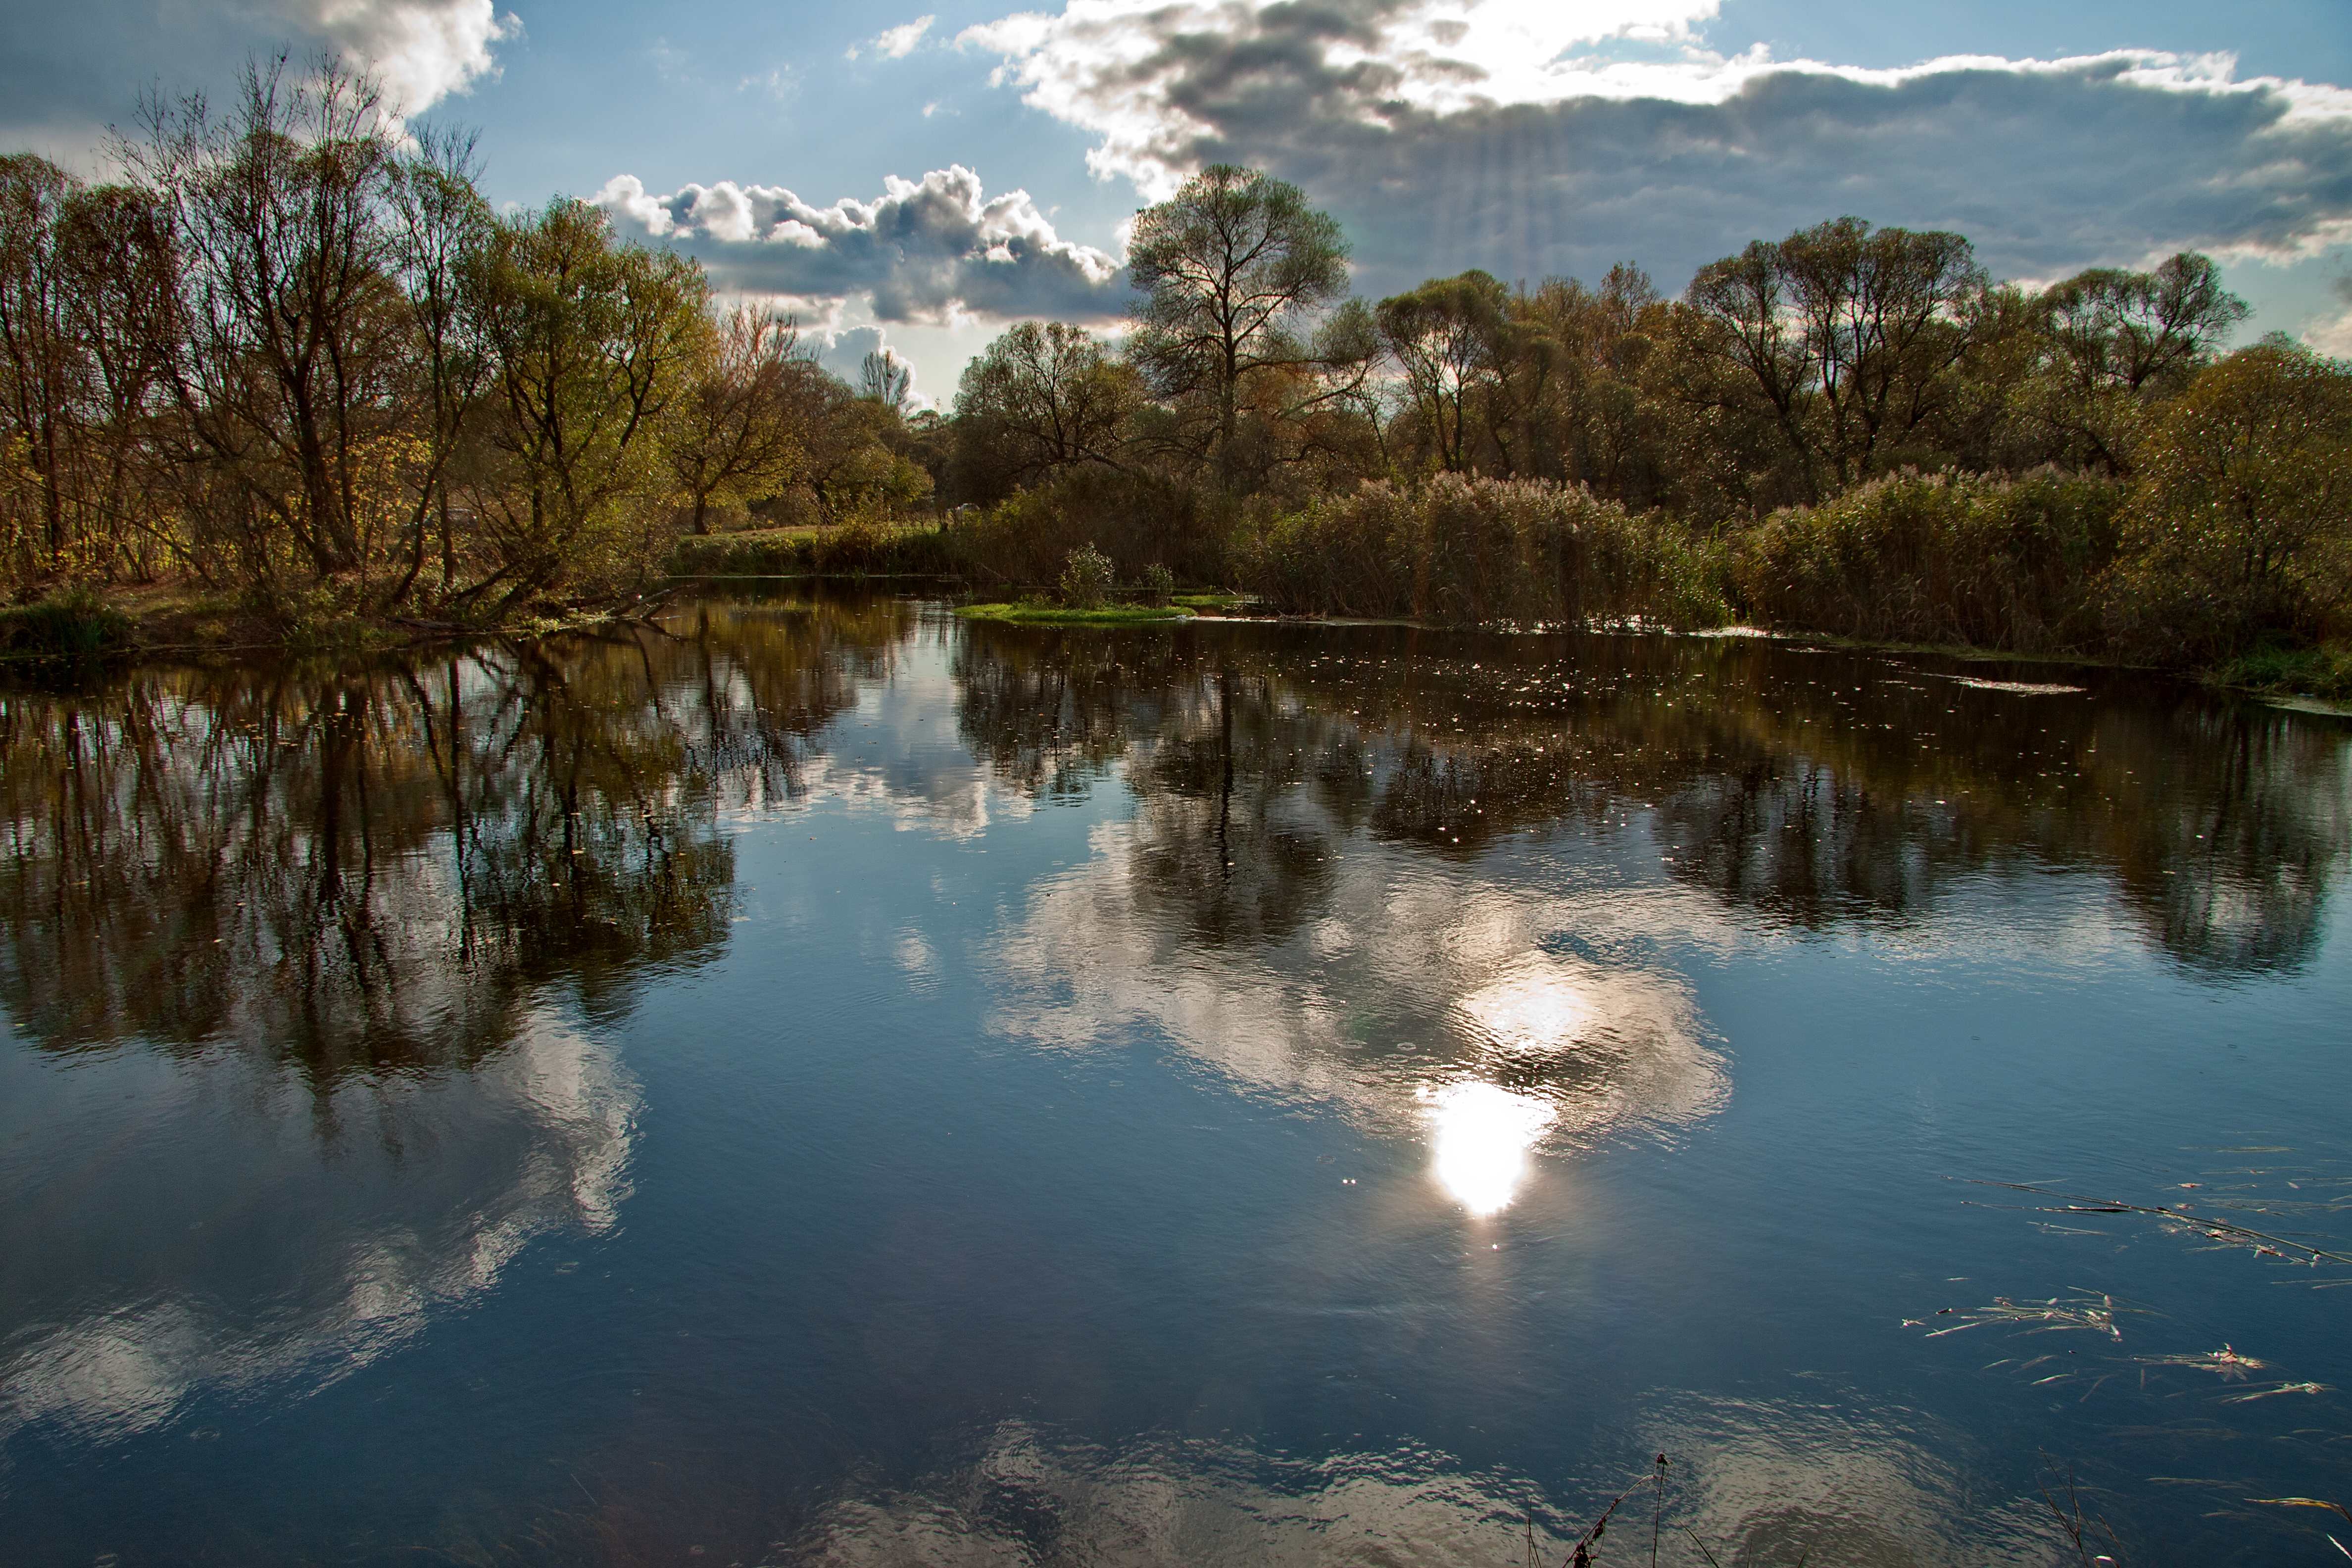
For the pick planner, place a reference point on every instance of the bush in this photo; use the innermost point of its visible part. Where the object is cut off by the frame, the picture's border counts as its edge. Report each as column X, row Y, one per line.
column 1930, row 558
column 1159, row 584
column 75, row 624
column 2240, row 527
column 1088, row 579
column 1465, row 550
column 1134, row 520
column 865, row 545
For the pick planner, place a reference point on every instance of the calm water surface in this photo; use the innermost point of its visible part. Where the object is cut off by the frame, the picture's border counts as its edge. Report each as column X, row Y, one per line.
column 817, row 1082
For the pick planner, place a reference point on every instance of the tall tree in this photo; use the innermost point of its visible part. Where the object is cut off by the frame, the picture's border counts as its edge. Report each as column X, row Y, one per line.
column 291, row 321
column 1450, row 338
column 441, row 226
column 736, row 435
column 1042, row 398
column 886, row 379
column 594, row 343
column 41, row 361
column 1232, row 270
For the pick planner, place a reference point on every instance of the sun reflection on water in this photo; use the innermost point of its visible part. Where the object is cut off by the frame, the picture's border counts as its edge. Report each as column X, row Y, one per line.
column 1480, row 1138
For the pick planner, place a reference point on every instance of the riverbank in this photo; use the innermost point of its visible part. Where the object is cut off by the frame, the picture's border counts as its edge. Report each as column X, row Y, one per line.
column 181, row 621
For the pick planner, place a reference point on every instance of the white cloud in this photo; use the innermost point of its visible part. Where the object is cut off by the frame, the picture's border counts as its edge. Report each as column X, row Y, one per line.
column 68, row 71
column 548, row 1128
column 424, row 50
column 1536, row 138
column 2332, row 335
column 927, row 250
column 898, row 43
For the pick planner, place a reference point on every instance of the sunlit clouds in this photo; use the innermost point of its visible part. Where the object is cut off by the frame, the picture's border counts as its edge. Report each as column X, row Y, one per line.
column 924, row 250
column 1478, row 1042
column 1533, row 140
column 894, row 43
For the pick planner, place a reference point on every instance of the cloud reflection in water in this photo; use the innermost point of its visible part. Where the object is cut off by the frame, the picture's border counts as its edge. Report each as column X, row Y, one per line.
column 1423, row 1004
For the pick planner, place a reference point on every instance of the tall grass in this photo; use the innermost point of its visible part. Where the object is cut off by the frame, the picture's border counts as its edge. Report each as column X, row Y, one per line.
column 1462, row 550
column 2019, row 565
column 859, row 547
column 75, row 626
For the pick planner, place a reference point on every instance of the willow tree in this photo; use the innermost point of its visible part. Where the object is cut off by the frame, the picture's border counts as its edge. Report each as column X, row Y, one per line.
column 593, row 344
column 1042, row 399
column 1450, row 338
column 1233, row 273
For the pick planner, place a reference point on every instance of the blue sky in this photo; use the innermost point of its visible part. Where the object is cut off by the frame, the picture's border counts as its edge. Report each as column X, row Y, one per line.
column 923, row 184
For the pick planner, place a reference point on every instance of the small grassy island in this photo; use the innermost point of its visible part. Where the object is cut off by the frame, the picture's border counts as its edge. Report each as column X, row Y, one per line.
column 1039, row 614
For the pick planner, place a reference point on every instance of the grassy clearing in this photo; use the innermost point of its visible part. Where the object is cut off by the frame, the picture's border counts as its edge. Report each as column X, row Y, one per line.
column 1215, row 604
column 1028, row 614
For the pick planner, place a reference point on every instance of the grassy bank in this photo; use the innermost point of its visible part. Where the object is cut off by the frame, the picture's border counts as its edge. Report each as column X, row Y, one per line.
column 74, row 626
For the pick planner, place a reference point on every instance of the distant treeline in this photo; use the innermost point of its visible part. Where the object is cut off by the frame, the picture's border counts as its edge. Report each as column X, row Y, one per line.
column 1852, row 430
column 296, row 357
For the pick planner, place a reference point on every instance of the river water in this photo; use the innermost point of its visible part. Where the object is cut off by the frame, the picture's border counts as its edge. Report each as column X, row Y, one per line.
column 817, row 1081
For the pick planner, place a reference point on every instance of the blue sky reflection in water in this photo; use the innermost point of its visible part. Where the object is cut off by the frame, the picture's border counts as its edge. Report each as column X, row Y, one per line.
column 827, row 1084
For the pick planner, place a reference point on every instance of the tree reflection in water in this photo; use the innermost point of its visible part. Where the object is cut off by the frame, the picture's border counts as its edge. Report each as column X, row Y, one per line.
column 1801, row 788
column 374, row 868
column 1337, row 882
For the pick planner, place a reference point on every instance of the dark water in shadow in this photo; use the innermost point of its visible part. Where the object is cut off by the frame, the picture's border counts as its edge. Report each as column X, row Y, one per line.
column 817, row 1082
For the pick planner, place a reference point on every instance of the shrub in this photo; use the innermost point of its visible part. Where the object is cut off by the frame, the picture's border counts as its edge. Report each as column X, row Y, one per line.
column 1133, row 519
column 2239, row 526
column 1929, row 558
column 74, row 624
column 1088, row 579
column 1465, row 549
column 1159, row 584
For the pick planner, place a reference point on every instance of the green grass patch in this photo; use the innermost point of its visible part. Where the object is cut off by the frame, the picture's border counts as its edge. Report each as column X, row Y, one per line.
column 1054, row 615
column 76, row 624
column 2324, row 671
column 1222, row 604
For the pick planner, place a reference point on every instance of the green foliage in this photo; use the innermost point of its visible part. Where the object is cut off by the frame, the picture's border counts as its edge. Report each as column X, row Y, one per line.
column 595, row 342
column 1465, row 550
column 1041, row 399
column 75, row 624
column 2324, row 671
column 2240, row 527
column 1943, row 559
column 1136, row 519
column 866, row 545
column 1157, row 585
column 1088, row 579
